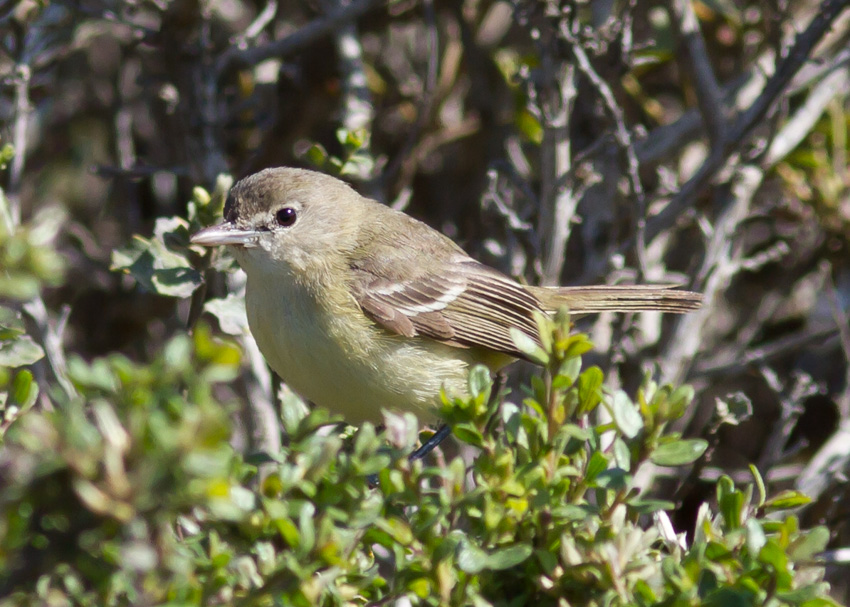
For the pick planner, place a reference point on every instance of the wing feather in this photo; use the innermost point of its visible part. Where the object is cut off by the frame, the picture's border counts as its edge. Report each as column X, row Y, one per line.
column 458, row 301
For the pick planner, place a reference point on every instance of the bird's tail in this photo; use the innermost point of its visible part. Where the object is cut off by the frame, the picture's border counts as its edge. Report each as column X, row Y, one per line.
column 620, row 298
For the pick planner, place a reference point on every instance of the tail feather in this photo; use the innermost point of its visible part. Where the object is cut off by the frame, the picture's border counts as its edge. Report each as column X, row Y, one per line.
column 620, row 298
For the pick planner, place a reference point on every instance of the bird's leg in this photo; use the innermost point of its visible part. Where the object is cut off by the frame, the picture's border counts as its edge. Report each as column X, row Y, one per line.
column 431, row 444
column 498, row 384
column 440, row 435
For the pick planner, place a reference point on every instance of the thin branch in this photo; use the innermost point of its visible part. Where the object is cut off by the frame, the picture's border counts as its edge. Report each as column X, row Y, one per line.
column 425, row 107
column 834, row 84
column 258, row 25
column 558, row 204
column 303, row 37
column 214, row 161
column 358, row 110
column 621, row 132
column 744, row 123
column 49, row 335
column 722, row 263
column 19, row 140
column 843, row 325
column 708, row 92
column 621, row 135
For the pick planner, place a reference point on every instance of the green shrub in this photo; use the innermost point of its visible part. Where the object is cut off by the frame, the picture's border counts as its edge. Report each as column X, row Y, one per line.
column 132, row 494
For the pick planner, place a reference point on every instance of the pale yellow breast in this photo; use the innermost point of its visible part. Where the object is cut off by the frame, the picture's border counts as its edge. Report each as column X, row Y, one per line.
column 345, row 363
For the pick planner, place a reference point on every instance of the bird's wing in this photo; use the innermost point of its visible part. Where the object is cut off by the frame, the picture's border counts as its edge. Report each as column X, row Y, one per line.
column 456, row 300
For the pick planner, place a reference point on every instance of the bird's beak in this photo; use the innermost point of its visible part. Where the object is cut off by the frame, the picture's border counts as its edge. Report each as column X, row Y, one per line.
column 223, row 233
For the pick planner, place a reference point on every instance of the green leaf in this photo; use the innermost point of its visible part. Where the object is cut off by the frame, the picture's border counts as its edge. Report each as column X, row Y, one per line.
column 589, row 389
column 595, row 466
column 577, row 345
column 508, row 557
column 613, row 478
column 480, row 381
column 529, row 347
column 570, row 369
column 622, row 455
column 756, row 538
column 24, row 390
column 467, row 433
column 787, row 500
column 759, row 481
column 771, row 554
column 317, row 155
column 154, row 263
column 679, row 453
column 626, row 415
column 528, row 124
column 19, row 351
column 648, row 506
column 679, row 401
column 230, row 313
column 811, row 543
column 470, row 558
column 730, row 502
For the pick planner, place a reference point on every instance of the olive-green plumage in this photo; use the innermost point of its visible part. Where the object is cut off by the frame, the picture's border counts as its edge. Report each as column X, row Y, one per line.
column 360, row 307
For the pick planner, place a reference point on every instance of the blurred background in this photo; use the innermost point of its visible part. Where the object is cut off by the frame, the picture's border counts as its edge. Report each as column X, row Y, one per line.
column 696, row 143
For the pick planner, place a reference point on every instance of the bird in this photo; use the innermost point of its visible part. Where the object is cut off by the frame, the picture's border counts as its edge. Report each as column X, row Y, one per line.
column 359, row 307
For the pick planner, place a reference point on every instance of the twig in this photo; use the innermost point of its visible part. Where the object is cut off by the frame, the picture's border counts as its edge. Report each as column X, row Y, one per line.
column 51, row 336
column 258, row 25
column 745, row 121
column 843, row 325
column 790, row 399
column 296, row 41
column 48, row 335
column 138, row 171
column 720, row 266
column 554, row 101
column 214, row 162
column 621, row 135
column 19, row 140
column 708, row 92
column 804, row 119
column 493, row 195
column 426, row 103
column 358, row 111
column 828, row 463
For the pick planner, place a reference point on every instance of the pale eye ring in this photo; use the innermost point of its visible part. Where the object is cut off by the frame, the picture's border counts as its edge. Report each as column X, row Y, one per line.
column 285, row 217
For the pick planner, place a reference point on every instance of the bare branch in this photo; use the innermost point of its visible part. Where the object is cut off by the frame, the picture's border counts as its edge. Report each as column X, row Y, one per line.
column 621, row 135
column 739, row 132
column 843, row 325
column 720, row 266
column 301, row 38
column 258, row 25
column 558, row 204
column 708, row 92
column 801, row 123
column 19, row 140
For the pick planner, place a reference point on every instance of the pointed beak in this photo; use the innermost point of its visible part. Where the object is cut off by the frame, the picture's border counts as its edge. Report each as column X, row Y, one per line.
column 223, row 233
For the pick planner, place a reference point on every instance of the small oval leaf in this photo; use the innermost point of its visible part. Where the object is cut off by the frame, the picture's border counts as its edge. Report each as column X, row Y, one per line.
column 508, row 557
column 679, row 453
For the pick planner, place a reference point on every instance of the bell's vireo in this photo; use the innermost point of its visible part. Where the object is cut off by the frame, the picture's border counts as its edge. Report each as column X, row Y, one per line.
column 360, row 307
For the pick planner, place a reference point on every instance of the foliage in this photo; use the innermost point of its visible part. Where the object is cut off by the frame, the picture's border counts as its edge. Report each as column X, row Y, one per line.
column 568, row 142
column 132, row 494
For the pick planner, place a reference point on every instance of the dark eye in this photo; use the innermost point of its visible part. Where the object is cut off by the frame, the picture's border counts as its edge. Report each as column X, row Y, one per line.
column 285, row 217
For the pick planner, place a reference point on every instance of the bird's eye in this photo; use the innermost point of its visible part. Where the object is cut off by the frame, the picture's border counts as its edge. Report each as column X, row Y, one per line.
column 285, row 217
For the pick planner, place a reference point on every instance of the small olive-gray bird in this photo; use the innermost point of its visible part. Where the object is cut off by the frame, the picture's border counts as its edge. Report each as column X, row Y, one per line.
column 360, row 307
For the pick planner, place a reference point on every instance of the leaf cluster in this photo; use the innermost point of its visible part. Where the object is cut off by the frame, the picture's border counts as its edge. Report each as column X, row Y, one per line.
column 132, row 493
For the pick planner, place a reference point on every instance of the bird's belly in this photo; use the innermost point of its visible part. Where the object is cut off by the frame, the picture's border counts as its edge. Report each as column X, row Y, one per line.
column 351, row 367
